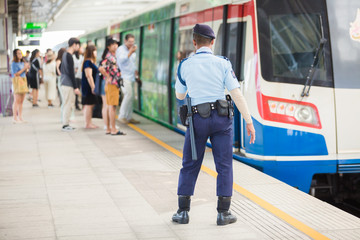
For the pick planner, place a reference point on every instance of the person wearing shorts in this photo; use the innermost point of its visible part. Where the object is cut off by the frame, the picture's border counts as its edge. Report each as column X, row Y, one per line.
column 112, row 74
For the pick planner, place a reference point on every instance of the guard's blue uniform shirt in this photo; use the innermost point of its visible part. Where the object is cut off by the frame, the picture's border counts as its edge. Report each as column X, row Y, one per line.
column 205, row 77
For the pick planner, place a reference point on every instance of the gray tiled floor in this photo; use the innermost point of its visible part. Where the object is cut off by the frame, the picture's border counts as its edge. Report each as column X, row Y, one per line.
column 85, row 185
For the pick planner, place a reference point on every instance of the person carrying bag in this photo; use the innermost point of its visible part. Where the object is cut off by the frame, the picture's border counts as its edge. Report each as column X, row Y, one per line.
column 20, row 85
column 19, row 81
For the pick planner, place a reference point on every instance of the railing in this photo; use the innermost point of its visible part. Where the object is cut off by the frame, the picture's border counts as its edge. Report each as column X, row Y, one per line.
column 6, row 96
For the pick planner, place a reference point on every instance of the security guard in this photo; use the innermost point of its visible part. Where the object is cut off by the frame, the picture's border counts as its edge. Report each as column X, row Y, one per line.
column 203, row 77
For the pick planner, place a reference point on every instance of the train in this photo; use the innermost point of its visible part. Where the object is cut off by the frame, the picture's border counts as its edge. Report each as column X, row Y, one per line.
column 297, row 62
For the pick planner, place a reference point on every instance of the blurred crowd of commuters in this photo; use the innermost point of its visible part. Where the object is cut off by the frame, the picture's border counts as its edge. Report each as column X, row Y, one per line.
column 75, row 72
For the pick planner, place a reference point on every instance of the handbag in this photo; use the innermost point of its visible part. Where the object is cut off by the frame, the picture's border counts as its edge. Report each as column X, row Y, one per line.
column 20, row 85
column 98, row 80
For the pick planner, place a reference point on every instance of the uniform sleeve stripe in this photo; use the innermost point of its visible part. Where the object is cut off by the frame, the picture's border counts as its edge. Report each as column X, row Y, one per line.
column 179, row 75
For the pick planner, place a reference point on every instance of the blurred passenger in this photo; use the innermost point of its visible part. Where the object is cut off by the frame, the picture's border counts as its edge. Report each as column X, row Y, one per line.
column 78, row 62
column 68, row 83
column 105, row 109
column 34, row 75
column 27, row 56
column 180, row 56
column 112, row 74
column 126, row 61
column 47, row 51
column 18, row 73
column 49, row 69
column 58, row 74
column 89, row 71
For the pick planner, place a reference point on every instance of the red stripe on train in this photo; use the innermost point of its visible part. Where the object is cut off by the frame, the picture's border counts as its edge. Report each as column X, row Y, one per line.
column 208, row 15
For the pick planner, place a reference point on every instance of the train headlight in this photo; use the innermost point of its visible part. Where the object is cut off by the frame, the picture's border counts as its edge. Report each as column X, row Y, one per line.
column 305, row 114
column 292, row 112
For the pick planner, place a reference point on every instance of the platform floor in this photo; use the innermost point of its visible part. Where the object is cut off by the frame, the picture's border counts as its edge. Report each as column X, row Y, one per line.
column 87, row 185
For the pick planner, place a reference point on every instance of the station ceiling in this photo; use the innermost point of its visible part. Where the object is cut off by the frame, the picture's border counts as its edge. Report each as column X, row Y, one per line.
column 85, row 15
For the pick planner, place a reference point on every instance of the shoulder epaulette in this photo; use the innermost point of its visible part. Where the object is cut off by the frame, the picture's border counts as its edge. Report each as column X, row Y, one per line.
column 178, row 72
column 223, row 57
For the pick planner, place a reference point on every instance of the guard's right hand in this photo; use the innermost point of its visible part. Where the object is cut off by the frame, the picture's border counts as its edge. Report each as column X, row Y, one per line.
column 77, row 91
column 251, row 132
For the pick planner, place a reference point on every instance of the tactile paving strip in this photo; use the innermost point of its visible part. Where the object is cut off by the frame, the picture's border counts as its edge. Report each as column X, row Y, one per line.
column 263, row 221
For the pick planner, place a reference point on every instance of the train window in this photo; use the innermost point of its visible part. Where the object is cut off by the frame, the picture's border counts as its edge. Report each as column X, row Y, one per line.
column 235, row 43
column 294, row 39
column 155, row 58
column 100, row 44
column 288, row 39
column 186, row 46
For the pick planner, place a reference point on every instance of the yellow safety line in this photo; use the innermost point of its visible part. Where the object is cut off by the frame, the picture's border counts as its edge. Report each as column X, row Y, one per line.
column 264, row 204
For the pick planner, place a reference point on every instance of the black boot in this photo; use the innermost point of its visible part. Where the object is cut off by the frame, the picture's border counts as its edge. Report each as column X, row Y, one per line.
column 182, row 215
column 224, row 216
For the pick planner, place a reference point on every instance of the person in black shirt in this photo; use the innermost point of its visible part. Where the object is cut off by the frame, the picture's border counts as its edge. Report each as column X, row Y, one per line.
column 34, row 75
column 89, row 71
column 68, row 83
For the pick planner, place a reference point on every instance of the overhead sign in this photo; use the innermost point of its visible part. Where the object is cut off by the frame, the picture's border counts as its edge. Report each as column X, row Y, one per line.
column 29, row 43
column 31, row 31
column 38, row 25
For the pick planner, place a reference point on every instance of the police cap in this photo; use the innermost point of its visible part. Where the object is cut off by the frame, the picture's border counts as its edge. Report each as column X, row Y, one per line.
column 204, row 30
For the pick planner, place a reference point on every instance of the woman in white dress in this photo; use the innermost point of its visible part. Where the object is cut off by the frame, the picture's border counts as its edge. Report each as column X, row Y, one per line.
column 49, row 71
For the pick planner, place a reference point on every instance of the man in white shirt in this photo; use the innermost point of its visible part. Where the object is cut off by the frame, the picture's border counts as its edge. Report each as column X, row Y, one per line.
column 126, row 61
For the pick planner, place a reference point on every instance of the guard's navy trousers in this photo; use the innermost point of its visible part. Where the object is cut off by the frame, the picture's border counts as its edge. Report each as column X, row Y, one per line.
column 220, row 131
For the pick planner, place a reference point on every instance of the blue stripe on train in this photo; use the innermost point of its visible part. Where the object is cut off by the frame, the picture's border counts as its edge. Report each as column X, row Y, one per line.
column 298, row 174
column 274, row 141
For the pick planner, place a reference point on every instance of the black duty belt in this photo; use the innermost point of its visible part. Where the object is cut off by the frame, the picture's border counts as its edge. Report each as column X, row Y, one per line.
column 204, row 109
column 200, row 107
column 223, row 108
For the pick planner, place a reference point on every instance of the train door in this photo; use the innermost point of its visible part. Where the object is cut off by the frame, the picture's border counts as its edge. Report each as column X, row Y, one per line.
column 233, row 49
column 344, row 18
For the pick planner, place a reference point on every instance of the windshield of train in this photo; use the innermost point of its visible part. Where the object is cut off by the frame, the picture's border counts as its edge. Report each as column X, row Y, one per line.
column 289, row 34
column 294, row 39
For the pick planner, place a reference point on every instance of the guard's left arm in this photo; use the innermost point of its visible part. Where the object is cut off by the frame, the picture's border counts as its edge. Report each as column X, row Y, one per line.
column 241, row 104
column 232, row 84
column 180, row 96
column 180, row 90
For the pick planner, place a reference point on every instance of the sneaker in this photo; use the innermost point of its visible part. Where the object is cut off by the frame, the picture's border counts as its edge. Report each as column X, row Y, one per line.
column 68, row 128
column 50, row 105
column 123, row 120
column 35, row 105
column 134, row 121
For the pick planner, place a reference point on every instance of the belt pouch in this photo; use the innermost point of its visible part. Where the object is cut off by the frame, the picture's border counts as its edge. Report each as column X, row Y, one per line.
column 183, row 115
column 204, row 110
column 222, row 107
